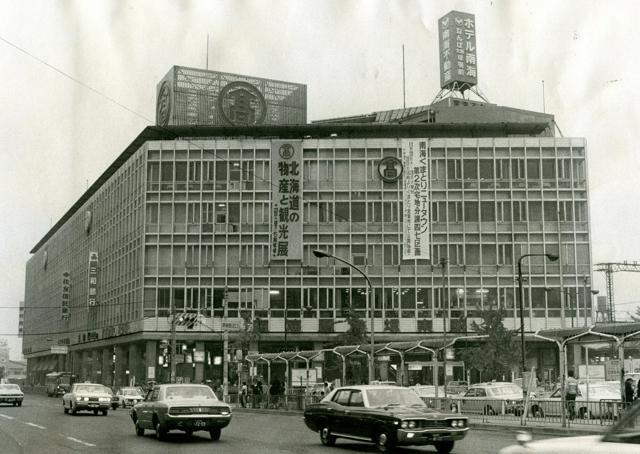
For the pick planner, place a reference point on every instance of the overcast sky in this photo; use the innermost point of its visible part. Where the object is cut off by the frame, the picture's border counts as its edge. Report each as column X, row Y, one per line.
column 57, row 135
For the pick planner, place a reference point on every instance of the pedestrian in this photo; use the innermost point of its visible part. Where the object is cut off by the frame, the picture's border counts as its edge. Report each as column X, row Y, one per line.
column 628, row 392
column 638, row 390
column 243, row 394
column 571, row 392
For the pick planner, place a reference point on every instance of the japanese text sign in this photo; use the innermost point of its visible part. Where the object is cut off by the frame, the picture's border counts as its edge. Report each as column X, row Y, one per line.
column 66, row 286
column 416, row 216
column 93, row 279
column 457, row 38
column 286, row 200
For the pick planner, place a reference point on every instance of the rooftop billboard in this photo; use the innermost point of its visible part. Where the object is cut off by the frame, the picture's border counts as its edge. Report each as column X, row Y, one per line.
column 457, row 37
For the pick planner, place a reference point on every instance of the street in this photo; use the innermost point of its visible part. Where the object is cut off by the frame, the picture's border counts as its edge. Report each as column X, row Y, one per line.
column 40, row 426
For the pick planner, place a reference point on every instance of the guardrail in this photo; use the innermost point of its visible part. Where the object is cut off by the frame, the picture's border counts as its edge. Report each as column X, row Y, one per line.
column 593, row 412
column 289, row 401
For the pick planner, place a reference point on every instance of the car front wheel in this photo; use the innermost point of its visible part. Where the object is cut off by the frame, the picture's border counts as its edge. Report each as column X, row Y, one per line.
column 139, row 430
column 215, row 434
column 444, row 447
column 326, row 438
column 384, row 442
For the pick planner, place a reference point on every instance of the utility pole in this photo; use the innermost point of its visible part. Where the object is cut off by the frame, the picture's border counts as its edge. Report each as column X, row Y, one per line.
column 225, row 350
column 443, row 264
column 172, row 377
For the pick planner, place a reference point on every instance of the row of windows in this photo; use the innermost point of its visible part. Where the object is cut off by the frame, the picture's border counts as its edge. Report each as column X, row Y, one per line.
column 329, row 211
column 332, row 302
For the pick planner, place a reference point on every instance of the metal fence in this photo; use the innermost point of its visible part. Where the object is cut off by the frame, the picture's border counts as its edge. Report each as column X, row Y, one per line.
column 289, row 401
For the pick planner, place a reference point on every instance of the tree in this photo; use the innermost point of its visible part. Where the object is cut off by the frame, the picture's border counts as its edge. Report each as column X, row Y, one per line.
column 496, row 355
column 635, row 317
column 356, row 334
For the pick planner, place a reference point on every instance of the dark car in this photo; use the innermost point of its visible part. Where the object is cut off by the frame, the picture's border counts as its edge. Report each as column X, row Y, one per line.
column 186, row 407
column 388, row 416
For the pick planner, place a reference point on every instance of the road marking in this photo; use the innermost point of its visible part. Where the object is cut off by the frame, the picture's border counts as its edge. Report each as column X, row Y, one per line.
column 34, row 425
column 7, row 416
column 81, row 442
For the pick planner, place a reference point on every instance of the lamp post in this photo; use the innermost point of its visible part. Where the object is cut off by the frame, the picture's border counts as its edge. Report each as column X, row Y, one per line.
column 552, row 258
column 445, row 313
column 322, row 254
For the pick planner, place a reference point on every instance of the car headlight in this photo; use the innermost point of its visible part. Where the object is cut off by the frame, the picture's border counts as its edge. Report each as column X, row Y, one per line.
column 454, row 423
column 462, row 422
column 404, row 424
column 78, row 398
column 412, row 424
column 86, row 399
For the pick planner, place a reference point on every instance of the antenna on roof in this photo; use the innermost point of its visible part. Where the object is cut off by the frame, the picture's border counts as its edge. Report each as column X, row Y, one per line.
column 207, row 51
column 543, row 106
column 404, row 93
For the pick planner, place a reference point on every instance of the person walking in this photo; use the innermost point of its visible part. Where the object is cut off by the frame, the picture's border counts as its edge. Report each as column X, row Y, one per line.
column 629, row 392
column 571, row 392
column 243, row 394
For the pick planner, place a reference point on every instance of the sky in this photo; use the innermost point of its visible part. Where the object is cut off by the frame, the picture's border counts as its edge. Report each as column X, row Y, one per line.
column 79, row 84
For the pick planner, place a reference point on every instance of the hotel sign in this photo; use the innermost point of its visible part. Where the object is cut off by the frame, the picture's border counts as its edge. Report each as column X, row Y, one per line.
column 286, row 200
column 416, row 201
column 457, row 37
column 93, row 279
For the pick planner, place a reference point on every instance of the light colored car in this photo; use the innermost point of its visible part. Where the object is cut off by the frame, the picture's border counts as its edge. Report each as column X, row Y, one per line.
column 490, row 399
column 87, row 397
column 186, row 407
column 604, row 399
column 128, row 397
column 11, row 394
column 621, row 438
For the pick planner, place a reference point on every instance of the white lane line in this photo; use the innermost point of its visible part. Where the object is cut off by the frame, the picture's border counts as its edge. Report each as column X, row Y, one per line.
column 7, row 416
column 34, row 425
column 81, row 442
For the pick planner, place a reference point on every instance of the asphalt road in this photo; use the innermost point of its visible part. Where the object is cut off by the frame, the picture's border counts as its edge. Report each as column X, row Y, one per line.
column 40, row 426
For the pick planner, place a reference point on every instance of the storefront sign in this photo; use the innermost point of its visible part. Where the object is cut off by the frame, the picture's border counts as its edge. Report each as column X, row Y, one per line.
column 66, row 286
column 416, row 201
column 286, row 200
column 458, row 64
column 93, row 279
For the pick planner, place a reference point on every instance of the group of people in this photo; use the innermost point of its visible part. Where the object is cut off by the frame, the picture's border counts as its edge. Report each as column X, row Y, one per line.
column 257, row 391
column 631, row 393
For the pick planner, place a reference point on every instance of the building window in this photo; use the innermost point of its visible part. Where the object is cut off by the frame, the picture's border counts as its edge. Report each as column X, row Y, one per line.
column 470, row 211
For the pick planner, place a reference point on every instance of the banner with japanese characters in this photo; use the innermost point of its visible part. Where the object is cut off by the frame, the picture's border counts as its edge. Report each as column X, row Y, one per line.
column 416, row 216
column 93, row 279
column 286, row 200
column 66, row 285
column 457, row 33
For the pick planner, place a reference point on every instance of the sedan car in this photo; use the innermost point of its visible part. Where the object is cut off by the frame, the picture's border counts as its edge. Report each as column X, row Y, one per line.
column 128, row 397
column 490, row 399
column 87, row 397
column 388, row 416
column 186, row 407
column 622, row 437
column 11, row 394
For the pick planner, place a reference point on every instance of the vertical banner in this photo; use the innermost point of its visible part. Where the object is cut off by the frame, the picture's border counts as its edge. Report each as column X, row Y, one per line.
column 286, row 200
column 93, row 278
column 66, row 284
column 416, row 201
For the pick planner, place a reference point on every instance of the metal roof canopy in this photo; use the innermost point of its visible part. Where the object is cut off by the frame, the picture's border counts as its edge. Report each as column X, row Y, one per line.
column 618, row 332
column 432, row 345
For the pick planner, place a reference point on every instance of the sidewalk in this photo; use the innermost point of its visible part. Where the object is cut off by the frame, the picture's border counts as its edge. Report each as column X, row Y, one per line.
column 534, row 427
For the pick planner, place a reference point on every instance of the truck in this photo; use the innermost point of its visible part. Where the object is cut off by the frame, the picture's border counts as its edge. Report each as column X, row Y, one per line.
column 59, row 383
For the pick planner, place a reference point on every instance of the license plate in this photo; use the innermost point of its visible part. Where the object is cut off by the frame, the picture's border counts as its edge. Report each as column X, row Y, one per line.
column 200, row 423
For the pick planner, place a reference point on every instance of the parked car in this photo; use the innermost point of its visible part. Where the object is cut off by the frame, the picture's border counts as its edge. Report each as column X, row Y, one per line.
column 386, row 415
column 622, row 437
column 115, row 402
column 604, row 399
column 11, row 394
column 186, row 407
column 128, row 397
column 457, row 387
column 87, row 397
column 490, row 399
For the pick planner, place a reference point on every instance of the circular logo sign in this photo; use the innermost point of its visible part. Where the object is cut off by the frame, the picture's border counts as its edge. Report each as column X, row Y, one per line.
column 390, row 169
column 286, row 151
column 241, row 104
column 163, row 104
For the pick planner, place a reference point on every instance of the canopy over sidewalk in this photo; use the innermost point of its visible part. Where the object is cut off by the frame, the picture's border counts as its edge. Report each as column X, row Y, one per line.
column 616, row 332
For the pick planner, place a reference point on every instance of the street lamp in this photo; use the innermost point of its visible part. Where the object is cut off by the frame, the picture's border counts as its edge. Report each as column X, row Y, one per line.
column 552, row 258
column 322, row 254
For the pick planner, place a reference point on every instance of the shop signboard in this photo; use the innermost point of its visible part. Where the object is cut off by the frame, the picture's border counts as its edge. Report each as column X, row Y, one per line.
column 416, row 216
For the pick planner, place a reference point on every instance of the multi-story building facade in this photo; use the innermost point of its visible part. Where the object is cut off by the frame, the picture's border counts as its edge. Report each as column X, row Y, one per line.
column 183, row 226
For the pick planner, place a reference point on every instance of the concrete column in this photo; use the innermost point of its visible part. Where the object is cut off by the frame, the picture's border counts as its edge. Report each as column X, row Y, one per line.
column 107, row 364
column 85, row 365
column 383, row 369
column 77, row 363
column 133, row 365
column 121, row 365
column 199, row 372
column 151, row 361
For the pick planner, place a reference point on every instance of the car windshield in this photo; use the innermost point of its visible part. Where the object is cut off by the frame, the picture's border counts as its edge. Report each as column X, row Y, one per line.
column 91, row 389
column 505, row 390
column 393, row 396
column 189, row 392
column 9, row 387
column 131, row 392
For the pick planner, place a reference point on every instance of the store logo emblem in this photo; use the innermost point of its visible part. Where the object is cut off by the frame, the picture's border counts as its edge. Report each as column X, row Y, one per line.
column 241, row 104
column 286, row 151
column 390, row 169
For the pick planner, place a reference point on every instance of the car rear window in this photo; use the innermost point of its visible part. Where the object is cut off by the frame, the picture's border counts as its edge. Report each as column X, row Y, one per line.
column 189, row 392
